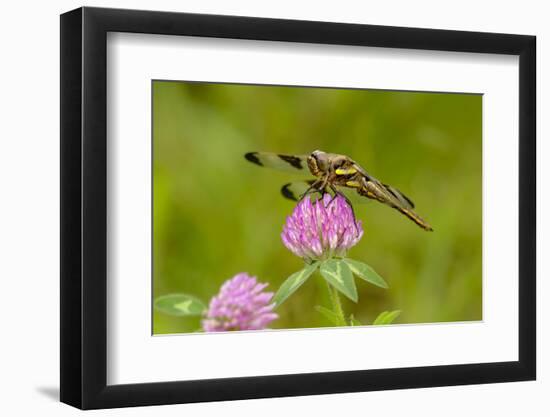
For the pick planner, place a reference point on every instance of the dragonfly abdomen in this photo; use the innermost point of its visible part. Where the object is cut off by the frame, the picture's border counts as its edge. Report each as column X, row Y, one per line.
column 378, row 192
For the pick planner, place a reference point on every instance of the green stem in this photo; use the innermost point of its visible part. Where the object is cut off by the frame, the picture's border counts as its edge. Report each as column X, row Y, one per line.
column 336, row 304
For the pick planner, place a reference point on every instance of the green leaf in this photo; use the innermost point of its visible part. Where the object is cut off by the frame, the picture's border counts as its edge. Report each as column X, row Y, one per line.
column 180, row 305
column 329, row 315
column 380, row 318
column 386, row 317
column 292, row 283
column 365, row 272
column 353, row 321
column 338, row 274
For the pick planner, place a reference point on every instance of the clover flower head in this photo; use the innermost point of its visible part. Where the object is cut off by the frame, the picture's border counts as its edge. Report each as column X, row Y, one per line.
column 322, row 229
column 241, row 304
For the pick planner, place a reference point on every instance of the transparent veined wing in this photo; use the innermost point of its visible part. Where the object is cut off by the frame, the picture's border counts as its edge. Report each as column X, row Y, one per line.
column 402, row 198
column 294, row 190
column 352, row 195
column 386, row 193
column 391, row 192
column 282, row 162
column 392, row 197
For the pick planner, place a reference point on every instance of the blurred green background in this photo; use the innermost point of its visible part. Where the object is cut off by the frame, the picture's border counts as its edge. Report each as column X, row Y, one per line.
column 216, row 214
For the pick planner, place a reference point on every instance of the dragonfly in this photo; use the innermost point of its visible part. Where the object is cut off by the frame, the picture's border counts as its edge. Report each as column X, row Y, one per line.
column 339, row 174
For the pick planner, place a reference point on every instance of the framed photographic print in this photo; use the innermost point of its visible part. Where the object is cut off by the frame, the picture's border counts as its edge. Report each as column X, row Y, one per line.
column 258, row 207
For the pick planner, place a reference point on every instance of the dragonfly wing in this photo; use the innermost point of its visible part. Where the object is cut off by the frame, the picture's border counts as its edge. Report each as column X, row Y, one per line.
column 402, row 198
column 352, row 195
column 294, row 190
column 394, row 198
column 282, row 162
column 385, row 191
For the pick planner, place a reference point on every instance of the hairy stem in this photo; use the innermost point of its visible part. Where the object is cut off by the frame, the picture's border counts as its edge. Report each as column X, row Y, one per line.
column 336, row 305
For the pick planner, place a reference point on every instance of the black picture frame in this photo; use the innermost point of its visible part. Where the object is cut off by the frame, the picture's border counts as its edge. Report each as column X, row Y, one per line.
column 84, row 207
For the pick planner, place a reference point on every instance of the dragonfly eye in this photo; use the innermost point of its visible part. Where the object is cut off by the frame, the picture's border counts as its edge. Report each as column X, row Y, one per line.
column 313, row 164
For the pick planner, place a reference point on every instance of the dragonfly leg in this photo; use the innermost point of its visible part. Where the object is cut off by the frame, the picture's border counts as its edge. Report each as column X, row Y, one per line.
column 313, row 188
column 323, row 188
column 338, row 193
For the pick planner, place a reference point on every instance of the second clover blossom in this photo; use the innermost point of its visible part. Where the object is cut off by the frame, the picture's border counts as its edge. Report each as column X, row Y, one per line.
column 321, row 230
column 241, row 304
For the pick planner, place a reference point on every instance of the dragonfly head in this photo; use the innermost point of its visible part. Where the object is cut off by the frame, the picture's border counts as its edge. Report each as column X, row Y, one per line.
column 318, row 163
